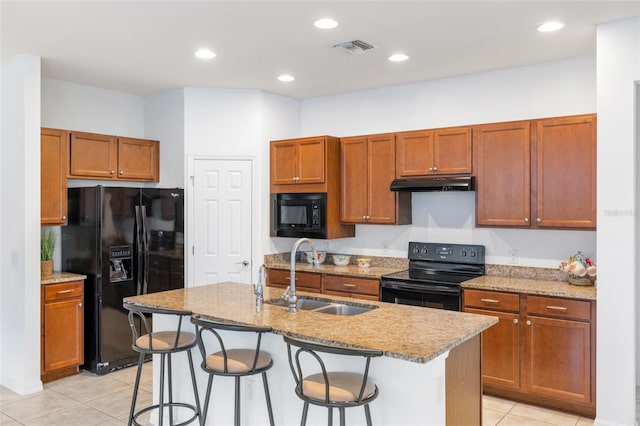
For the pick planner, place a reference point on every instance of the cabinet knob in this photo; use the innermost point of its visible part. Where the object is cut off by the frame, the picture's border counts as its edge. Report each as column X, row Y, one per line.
column 515, row 320
column 435, row 169
column 121, row 172
column 528, row 322
column 538, row 220
column 64, row 218
column 112, row 171
column 430, row 169
column 79, row 305
column 526, row 220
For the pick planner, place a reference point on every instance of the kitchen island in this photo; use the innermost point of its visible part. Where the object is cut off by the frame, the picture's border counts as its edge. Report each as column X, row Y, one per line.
column 429, row 374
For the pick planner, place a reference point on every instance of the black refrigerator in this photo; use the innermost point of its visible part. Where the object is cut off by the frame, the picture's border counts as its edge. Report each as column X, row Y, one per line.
column 127, row 241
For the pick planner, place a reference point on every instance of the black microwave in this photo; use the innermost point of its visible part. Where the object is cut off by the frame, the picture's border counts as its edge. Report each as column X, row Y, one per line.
column 299, row 215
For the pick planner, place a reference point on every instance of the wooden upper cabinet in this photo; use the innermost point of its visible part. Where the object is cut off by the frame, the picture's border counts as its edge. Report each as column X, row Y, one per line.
column 434, row 152
column 92, row 156
column 565, row 158
column 368, row 168
column 298, row 161
column 503, row 177
column 96, row 156
column 138, row 159
column 54, row 163
column 537, row 174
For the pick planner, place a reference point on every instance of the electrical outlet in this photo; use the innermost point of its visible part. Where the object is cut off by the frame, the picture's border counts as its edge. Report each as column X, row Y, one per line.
column 513, row 256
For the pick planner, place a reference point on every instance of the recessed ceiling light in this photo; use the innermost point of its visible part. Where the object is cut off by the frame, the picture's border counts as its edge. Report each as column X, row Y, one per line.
column 398, row 57
column 325, row 23
column 550, row 26
column 286, row 78
column 205, row 54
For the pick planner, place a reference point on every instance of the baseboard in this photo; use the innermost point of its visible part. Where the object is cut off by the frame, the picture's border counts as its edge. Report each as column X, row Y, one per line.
column 21, row 388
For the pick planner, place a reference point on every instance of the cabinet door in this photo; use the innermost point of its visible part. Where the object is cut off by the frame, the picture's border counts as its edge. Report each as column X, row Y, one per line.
column 565, row 157
column 414, row 153
column 501, row 350
column 283, row 162
column 502, row 153
column 92, row 156
column 452, row 151
column 138, row 159
column 63, row 334
column 558, row 359
column 381, row 172
column 311, row 160
column 354, row 183
column 54, row 166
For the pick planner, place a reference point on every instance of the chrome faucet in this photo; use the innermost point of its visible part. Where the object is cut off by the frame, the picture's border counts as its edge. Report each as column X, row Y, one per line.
column 292, row 299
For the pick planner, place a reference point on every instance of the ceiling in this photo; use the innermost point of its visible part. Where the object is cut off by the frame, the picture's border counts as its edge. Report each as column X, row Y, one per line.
column 146, row 47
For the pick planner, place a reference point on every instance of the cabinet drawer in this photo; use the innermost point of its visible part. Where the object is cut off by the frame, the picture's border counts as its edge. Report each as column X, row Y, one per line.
column 564, row 308
column 303, row 279
column 63, row 290
column 496, row 300
column 351, row 285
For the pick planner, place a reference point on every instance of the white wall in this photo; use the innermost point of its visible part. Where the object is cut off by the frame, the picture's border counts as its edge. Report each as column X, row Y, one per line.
column 618, row 47
column 550, row 89
column 164, row 121
column 91, row 109
column 20, row 226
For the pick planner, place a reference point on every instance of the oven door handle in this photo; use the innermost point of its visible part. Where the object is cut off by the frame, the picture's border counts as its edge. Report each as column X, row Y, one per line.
column 421, row 288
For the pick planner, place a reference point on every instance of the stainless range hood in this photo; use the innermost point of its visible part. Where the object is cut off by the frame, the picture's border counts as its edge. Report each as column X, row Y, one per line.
column 433, row 184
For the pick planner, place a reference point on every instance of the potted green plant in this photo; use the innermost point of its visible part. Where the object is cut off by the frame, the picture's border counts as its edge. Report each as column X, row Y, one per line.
column 47, row 245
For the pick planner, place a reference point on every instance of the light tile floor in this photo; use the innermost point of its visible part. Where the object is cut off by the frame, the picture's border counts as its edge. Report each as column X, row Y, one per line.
column 89, row 400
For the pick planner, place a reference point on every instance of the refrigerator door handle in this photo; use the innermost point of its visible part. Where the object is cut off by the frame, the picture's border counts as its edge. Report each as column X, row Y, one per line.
column 138, row 238
column 145, row 248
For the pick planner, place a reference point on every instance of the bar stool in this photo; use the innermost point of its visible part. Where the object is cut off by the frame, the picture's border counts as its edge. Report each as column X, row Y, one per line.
column 330, row 389
column 232, row 362
column 163, row 343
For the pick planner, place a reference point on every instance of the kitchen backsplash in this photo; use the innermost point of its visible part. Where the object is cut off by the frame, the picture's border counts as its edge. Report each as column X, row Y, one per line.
column 525, row 272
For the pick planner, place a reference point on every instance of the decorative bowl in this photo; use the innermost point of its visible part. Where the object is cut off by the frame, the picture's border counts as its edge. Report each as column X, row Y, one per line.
column 341, row 259
column 363, row 262
column 322, row 256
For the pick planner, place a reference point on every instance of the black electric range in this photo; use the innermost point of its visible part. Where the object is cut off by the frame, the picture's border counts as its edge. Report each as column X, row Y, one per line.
column 434, row 275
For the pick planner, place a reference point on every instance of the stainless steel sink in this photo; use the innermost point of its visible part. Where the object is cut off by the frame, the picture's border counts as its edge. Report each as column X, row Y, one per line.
column 303, row 303
column 326, row 306
column 340, row 309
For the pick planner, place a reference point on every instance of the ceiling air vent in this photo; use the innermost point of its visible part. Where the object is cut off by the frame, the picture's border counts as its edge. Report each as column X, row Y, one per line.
column 355, row 47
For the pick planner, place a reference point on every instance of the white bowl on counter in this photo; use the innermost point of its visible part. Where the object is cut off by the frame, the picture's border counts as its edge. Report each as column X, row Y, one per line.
column 322, row 256
column 341, row 259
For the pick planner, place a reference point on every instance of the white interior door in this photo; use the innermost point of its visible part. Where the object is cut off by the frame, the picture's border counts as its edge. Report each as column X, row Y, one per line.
column 222, row 221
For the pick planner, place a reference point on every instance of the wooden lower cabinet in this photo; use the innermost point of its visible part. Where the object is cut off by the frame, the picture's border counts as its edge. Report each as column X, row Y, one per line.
column 305, row 281
column 62, row 329
column 345, row 286
column 330, row 284
column 543, row 352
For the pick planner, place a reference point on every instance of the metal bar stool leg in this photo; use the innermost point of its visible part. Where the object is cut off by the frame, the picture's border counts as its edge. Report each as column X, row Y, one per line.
column 195, row 387
column 161, row 402
column 135, row 389
column 367, row 413
column 305, row 409
column 268, row 397
column 207, row 396
column 342, row 416
column 237, row 403
column 169, row 380
column 330, row 416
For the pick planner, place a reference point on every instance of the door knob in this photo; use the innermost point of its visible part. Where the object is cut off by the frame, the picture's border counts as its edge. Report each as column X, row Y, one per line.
column 243, row 263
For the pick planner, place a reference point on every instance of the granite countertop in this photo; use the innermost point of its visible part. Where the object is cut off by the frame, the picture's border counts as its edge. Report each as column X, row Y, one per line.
column 62, row 277
column 532, row 286
column 406, row 332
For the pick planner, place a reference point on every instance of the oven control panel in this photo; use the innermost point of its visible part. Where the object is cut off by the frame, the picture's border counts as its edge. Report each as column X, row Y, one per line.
column 442, row 252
